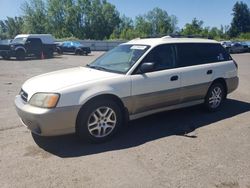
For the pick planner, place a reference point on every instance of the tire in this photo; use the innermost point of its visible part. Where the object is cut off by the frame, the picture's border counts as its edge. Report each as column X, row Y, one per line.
column 20, row 55
column 215, row 97
column 50, row 54
column 81, row 52
column 77, row 52
column 59, row 51
column 98, row 121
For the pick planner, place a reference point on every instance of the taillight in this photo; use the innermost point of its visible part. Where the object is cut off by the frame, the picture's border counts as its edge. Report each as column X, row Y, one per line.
column 236, row 65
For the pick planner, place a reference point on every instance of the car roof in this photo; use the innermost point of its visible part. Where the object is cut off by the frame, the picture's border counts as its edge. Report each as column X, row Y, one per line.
column 71, row 41
column 46, row 38
column 168, row 40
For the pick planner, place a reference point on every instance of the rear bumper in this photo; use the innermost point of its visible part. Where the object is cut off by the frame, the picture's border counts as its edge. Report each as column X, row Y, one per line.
column 232, row 84
column 87, row 50
column 47, row 122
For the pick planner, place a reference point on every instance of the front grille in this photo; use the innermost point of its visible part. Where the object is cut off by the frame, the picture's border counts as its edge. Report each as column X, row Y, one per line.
column 24, row 95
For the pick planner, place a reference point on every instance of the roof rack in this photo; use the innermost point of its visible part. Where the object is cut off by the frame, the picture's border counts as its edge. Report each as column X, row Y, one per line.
column 189, row 36
column 174, row 35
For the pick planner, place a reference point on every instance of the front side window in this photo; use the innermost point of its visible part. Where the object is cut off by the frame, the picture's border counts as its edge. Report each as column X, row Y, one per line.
column 20, row 40
column 119, row 59
column 162, row 56
column 66, row 44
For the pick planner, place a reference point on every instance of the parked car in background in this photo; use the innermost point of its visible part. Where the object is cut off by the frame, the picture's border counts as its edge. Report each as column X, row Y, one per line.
column 73, row 47
column 38, row 45
column 246, row 44
column 5, row 49
column 237, row 47
column 226, row 44
column 133, row 80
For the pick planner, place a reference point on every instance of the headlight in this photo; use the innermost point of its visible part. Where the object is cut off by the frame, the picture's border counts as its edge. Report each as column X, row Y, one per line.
column 44, row 100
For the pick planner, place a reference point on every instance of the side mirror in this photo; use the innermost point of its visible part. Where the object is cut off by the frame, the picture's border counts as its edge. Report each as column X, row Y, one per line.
column 147, row 67
column 27, row 42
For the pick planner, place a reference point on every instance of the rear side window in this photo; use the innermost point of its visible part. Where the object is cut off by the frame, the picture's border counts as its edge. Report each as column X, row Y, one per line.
column 200, row 53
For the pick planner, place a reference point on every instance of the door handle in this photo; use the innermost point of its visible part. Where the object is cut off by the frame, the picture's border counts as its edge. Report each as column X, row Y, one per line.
column 173, row 78
column 209, row 71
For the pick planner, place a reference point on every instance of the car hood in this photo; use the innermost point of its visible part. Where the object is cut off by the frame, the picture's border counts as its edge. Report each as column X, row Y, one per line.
column 54, row 81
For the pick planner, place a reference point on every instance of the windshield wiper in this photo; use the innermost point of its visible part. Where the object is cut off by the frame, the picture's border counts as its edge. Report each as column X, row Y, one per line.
column 97, row 67
column 103, row 68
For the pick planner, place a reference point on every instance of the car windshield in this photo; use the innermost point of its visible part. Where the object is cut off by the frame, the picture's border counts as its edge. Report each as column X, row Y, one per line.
column 119, row 59
column 20, row 40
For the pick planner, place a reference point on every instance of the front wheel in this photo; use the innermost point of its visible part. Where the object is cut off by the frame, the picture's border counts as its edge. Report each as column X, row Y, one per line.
column 98, row 121
column 215, row 97
column 20, row 55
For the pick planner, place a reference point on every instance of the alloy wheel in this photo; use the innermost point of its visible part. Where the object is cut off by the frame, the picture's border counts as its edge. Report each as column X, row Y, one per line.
column 215, row 97
column 101, row 122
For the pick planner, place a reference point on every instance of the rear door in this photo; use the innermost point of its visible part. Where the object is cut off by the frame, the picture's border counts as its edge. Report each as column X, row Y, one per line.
column 33, row 46
column 196, row 64
column 159, row 88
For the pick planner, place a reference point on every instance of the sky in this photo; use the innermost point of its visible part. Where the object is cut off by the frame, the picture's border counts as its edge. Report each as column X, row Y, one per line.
column 212, row 12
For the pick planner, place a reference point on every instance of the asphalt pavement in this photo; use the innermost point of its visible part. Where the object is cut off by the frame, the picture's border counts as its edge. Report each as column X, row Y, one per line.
column 181, row 148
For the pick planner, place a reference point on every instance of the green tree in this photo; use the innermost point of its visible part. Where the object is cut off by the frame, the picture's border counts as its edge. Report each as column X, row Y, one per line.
column 62, row 18
column 11, row 27
column 241, row 19
column 35, row 16
column 154, row 23
column 193, row 28
column 124, row 29
column 160, row 22
column 97, row 18
column 143, row 26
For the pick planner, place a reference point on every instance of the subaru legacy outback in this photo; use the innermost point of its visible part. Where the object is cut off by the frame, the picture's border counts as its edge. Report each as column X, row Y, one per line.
column 135, row 79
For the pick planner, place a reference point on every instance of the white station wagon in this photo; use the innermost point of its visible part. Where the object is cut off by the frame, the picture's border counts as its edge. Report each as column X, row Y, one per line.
column 135, row 79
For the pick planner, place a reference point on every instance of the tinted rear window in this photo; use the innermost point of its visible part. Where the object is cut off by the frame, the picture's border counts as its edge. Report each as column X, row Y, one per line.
column 196, row 53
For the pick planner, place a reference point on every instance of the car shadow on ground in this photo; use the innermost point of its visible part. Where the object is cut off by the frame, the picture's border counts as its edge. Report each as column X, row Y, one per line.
column 178, row 122
column 32, row 58
column 73, row 54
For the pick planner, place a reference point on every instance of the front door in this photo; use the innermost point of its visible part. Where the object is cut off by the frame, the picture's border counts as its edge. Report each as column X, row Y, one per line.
column 160, row 87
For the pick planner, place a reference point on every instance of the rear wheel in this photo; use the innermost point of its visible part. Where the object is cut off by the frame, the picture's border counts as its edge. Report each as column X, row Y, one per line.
column 78, row 52
column 98, row 121
column 215, row 97
column 50, row 53
column 81, row 52
column 59, row 51
column 20, row 55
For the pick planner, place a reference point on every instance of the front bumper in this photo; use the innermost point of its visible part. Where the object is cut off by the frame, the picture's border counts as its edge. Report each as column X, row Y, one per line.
column 47, row 122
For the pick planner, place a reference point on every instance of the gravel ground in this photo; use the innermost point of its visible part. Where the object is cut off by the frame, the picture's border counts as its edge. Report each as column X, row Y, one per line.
column 181, row 148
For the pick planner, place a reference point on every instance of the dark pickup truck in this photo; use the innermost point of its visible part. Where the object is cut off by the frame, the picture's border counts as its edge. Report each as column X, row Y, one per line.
column 27, row 45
